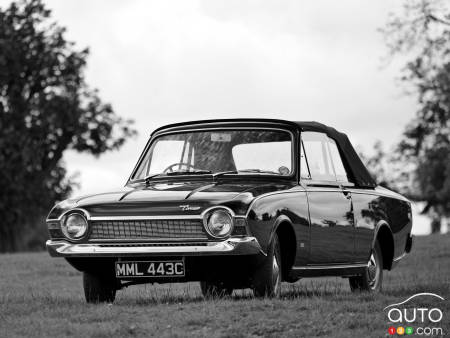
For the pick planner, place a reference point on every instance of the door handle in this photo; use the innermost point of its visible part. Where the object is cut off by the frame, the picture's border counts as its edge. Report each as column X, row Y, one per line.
column 346, row 193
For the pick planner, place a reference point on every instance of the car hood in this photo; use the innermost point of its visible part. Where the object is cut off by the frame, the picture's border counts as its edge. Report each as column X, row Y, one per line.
column 163, row 198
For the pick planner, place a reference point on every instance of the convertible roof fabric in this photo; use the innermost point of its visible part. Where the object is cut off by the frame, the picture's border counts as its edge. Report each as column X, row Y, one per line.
column 352, row 161
column 353, row 164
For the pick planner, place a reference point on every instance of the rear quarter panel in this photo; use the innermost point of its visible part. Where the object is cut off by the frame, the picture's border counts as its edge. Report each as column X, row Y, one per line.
column 373, row 209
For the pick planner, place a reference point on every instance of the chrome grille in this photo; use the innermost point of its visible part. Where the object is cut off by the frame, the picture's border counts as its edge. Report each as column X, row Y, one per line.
column 148, row 229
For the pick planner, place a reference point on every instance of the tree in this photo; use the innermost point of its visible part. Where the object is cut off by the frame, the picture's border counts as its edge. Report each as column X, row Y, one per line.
column 422, row 31
column 46, row 107
column 389, row 169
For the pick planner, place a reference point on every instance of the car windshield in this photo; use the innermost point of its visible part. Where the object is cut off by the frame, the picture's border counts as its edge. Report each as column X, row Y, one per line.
column 218, row 152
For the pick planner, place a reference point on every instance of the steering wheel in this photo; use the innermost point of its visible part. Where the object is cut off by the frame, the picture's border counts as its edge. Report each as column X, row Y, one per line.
column 170, row 168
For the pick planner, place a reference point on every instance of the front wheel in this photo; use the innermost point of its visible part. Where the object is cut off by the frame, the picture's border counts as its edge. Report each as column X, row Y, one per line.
column 267, row 278
column 213, row 290
column 372, row 278
column 98, row 289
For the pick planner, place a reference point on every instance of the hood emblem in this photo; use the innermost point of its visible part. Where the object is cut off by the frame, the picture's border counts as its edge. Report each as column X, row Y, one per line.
column 187, row 207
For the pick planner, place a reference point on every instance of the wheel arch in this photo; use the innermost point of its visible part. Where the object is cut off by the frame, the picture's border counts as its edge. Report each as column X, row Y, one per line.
column 383, row 235
column 284, row 228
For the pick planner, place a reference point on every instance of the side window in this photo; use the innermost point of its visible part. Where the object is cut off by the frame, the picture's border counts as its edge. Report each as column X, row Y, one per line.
column 317, row 156
column 339, row 169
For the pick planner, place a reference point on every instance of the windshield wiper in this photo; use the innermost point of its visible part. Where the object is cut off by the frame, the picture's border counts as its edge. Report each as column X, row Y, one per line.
column 193, row 172
column 206, row 172
column 175, row 173
column 221, row 173
column 259, row 171
column 149, row 177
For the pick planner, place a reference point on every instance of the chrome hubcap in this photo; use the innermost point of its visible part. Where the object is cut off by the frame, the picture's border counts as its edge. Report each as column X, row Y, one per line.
column 373, row 271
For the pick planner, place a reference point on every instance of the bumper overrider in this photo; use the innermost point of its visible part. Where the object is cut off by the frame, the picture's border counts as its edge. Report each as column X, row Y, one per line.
column 231, row 246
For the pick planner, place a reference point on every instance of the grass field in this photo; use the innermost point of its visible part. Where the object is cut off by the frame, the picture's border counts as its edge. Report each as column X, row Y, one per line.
column 43, row 297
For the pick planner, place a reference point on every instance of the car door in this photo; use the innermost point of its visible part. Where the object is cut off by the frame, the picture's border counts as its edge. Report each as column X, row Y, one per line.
column 330, row 205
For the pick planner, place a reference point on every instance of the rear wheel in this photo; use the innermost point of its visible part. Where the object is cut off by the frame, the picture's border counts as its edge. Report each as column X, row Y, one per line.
column 99, row 289
column 213, row 290
column 372, row 278
column 267, row 278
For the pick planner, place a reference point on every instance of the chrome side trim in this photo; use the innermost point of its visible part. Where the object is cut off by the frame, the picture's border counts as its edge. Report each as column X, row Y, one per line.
column 325, row 267
column 362, row 191
column 231, row 246
column 270, row 194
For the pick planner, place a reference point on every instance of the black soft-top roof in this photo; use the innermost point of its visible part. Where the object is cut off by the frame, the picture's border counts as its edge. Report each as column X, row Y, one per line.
column 352, row 161
column 360, row 175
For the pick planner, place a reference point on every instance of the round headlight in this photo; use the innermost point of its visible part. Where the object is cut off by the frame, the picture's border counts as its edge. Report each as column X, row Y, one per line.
column 219, row 223
column 74, row 226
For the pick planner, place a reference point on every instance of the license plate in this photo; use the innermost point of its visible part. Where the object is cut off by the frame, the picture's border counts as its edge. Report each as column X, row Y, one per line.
column 150, row 269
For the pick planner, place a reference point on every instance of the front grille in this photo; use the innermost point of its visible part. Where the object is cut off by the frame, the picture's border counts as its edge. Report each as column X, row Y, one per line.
column 148, row 229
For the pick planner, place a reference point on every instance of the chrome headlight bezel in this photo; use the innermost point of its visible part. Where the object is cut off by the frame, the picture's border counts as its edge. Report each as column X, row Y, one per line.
column 207, row 218
column 82, row 216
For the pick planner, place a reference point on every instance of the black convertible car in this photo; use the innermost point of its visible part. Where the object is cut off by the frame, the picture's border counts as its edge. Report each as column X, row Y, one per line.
column 236, row 204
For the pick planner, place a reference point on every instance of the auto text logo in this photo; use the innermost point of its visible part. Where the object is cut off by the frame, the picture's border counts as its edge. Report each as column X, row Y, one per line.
column 419, row 315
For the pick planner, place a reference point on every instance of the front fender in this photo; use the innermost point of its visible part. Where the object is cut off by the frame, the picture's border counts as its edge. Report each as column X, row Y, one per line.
column 266, row 214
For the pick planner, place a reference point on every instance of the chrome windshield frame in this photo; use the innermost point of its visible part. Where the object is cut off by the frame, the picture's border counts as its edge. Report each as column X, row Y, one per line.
column 153, row 138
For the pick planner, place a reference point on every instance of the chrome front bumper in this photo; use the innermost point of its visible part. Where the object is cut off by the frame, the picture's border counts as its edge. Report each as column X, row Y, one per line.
column 231, row 246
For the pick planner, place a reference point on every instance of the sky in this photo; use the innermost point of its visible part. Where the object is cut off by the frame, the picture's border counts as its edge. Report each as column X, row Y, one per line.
column 161, row 62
